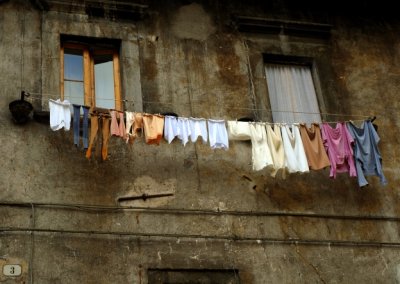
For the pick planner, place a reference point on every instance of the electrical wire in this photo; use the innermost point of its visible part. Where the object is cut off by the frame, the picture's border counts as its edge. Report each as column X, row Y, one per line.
column 180, row 211
column 234, row 238
column 231, row 238
column 31, row 255
column 252, row 88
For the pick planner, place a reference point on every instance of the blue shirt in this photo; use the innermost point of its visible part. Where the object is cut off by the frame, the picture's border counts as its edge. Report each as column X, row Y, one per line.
column 366, row 153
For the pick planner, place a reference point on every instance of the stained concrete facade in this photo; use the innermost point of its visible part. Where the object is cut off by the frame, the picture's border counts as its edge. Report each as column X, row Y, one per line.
column 221, row 222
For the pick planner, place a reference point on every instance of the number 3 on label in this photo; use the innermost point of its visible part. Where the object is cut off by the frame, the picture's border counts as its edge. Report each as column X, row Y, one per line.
column 12, row 270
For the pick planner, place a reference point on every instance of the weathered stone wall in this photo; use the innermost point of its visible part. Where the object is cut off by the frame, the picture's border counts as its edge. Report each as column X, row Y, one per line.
column 59, row 215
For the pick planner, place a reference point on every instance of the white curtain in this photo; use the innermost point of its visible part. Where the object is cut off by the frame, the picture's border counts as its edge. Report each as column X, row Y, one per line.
column 292, row 94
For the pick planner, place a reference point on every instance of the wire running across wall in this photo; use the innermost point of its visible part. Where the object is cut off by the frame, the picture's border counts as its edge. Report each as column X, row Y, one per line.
column 181, row 236
column 234, row 238
column 205, row 212
column 360, row 117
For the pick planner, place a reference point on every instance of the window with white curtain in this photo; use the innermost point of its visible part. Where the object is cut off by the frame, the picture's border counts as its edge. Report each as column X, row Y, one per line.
column 292, row 93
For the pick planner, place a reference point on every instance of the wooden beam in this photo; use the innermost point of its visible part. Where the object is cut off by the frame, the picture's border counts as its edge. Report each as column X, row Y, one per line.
column 87, row 77
column 117, row 82
column 62, row 73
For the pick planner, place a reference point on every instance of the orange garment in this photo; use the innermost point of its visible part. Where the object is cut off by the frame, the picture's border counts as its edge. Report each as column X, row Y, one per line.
column 317, row 157
column 138, row 123
column 94, row 129
column 137, row 127
column 121, row 125
column 153, row 125
column 94, row 126
column 106, row 137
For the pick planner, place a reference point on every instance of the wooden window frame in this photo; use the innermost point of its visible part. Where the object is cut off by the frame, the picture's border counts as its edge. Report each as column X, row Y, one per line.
column 88, row 72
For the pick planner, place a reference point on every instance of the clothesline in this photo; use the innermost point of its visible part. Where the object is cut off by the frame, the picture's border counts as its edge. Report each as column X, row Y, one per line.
column 38, row 96
column 284, row 147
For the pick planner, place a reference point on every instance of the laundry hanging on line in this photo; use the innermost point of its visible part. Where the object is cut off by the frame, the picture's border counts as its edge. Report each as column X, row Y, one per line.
column 281, row 147
column 343, row 148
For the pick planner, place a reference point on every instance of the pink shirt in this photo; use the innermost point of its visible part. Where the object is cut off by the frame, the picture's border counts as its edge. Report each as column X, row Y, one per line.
column 339, row 145
column 117, row 129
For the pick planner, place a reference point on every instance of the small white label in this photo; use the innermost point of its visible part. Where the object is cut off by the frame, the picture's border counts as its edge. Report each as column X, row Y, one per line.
column 12, row 270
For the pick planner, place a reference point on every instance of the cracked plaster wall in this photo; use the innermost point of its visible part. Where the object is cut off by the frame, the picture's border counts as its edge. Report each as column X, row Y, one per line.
column 198, row 66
